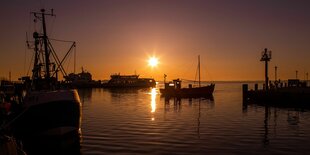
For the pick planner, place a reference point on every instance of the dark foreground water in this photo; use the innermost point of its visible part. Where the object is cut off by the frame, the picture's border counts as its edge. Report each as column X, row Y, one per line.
column 141, row 122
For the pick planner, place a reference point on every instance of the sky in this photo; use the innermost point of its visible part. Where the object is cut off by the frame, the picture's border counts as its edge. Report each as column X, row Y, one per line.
column 118, row 36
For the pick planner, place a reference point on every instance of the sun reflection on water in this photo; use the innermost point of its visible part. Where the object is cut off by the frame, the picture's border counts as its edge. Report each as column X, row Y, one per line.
column 153, row 102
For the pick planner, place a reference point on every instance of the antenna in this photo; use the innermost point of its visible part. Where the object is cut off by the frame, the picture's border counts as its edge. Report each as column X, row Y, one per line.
column 266, row 56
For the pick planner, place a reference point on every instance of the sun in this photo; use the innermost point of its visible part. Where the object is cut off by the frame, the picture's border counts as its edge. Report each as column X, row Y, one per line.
column 153, row 61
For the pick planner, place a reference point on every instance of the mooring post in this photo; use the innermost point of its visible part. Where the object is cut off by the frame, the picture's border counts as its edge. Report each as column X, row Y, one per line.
column 245, row 92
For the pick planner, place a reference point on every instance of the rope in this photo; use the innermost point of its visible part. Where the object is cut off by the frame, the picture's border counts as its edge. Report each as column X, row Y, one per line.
column 69, row 60
column 208, row 74
column 52, row 26
column 61, row 40
column 25, row 58
column 30, row 64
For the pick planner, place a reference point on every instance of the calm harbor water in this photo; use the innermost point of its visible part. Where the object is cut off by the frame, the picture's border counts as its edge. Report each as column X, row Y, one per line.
column 140, row 121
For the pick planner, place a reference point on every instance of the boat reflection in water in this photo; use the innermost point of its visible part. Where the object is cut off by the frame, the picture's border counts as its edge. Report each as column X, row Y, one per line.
column 174, row 88
column 206, row 103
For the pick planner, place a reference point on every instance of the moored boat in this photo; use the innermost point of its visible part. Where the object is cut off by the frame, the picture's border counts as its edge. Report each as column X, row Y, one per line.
column 174, row 88
column 80, row 80
column 129, row 81
column 46, row 110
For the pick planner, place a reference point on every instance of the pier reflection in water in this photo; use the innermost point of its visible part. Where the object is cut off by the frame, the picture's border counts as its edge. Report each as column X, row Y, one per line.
column 141, row 122
column 271, row 120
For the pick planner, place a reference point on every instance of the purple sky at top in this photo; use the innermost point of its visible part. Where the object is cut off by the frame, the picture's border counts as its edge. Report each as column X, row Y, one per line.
column 118, row 36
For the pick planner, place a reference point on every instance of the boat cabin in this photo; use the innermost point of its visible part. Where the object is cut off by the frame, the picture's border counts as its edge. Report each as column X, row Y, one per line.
column 175, row 84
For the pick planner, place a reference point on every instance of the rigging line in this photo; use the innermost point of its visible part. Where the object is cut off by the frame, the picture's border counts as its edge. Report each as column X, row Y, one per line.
column 25, row 56
column 56, row 59
column 74, row 60
column 52, row 26
column 208, row 74
column 34, row 23
column 61, row 40
column 60, row 63
column 189, row 68
column 29, row 24
column 40, row 30
column 69, row 60
column 180, row 69
column 69, row 52
column 30, row 64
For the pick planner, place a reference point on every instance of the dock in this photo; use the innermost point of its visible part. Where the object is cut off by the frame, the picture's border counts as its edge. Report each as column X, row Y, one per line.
column 293, row 93
column 290, row 96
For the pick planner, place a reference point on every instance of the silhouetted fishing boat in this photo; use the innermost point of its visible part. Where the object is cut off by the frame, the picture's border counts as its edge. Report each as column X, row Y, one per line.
column 174, row 88
column 129, row 81
column 46, row 110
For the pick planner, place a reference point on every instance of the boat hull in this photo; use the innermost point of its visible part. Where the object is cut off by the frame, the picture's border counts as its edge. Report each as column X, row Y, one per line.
column 206, row 91
column 54, row 113
column 129, row 81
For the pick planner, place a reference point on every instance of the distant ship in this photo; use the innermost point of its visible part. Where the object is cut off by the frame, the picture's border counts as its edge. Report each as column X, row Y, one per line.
column 129, row 81
column 80, row 80
column 174, row 88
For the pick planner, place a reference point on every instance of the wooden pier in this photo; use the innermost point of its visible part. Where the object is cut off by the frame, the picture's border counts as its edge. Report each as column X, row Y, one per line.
column 294, row 93
column 295, row 97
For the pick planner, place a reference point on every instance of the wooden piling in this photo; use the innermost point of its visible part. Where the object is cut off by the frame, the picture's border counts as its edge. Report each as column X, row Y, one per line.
column 256, row 87
column 244, row 91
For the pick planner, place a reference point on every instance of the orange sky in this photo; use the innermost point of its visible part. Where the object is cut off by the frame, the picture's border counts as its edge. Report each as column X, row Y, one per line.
column 118, row 36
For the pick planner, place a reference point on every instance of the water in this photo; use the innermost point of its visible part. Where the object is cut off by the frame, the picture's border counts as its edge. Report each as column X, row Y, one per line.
column 141, row 122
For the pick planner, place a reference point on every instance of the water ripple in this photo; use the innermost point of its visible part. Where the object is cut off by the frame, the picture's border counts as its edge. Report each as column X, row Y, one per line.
column 126, row 123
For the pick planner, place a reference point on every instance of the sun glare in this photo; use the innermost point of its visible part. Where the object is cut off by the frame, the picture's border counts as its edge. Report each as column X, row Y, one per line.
column 153, row 62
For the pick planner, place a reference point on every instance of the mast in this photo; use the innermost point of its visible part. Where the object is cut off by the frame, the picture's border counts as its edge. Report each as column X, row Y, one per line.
column 47, row 61
column 36, row 70
column 199, row 70
column 36, row 66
